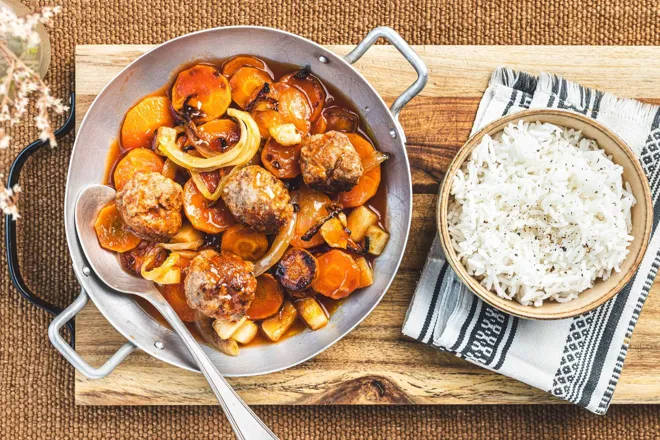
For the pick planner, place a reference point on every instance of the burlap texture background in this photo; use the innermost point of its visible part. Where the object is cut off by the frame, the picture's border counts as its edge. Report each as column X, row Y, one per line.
column 36, row 384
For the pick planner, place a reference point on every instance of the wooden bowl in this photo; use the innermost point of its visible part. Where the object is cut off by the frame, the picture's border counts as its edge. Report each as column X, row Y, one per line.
column 642, row 216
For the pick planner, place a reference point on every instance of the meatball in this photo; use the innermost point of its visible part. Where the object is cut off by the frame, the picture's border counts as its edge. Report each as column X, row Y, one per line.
column 329, row 162
column 258, row 199
column 220, row 285
column 150, row 205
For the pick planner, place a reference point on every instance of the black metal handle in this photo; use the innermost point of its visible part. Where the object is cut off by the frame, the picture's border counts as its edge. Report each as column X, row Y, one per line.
column 10, row 224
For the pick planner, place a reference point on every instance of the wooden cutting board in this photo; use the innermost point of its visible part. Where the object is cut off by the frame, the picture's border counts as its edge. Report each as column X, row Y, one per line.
column 374, row 364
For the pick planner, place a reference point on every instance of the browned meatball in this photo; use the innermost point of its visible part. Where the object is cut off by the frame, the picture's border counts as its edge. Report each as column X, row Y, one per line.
column 150, row 205
column 258, row 199
column 329, row 162
column 220, row 285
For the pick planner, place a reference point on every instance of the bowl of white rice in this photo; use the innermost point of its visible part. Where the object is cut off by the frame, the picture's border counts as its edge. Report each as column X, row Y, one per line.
column 545, row 214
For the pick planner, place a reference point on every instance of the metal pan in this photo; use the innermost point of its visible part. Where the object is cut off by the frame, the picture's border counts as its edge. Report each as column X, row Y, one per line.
column 149, row 73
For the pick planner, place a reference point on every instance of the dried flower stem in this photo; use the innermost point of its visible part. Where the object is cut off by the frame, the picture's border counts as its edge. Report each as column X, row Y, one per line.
column 19, row 84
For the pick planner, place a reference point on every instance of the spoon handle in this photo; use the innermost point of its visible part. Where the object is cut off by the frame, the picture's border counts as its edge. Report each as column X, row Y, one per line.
column 245, row 423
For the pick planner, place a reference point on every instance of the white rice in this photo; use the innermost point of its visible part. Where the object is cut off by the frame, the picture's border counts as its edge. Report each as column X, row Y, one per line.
column 540, row 212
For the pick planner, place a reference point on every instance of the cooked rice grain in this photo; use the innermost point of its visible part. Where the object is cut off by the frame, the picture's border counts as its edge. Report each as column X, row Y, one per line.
column 540, row 212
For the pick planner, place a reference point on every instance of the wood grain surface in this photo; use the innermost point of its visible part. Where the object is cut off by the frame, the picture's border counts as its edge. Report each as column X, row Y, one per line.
column 375, row 364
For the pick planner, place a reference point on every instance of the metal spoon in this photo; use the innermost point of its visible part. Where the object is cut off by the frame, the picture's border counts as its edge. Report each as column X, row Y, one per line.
column 106, row 266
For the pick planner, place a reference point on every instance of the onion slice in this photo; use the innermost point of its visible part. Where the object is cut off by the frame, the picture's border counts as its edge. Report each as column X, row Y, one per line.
column 201, row 186
column 166, row 273
column 187, row 246
column 242, row 152
column 373, row 160
column 279, row 246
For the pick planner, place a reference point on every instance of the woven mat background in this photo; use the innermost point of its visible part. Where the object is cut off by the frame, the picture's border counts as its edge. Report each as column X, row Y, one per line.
column 36, row 384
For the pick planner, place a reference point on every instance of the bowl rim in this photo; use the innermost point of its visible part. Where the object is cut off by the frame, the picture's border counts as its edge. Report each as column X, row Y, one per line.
column 493, row 299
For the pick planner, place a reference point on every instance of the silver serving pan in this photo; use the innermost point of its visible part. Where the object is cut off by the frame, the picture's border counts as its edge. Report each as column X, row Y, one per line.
column 149, row 73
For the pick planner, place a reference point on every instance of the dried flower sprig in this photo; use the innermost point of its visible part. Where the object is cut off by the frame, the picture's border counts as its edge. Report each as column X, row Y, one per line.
column 19, row 82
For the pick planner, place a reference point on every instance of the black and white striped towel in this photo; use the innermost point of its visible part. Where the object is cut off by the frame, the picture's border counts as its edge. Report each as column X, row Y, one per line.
column 577, row 359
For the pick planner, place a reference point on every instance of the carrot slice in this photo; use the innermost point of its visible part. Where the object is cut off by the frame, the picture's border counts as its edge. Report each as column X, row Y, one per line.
column 205, row 215
column 267, row 299
column 112, row 231
column 311, row 87
column 248, row 245
column 367, row 186
column 233, row 64
column 338, row 276
column 246, row 83
column 201, row 92
column 294, row 107
column 283, row 162
column 340, row 119
column 175, row 294
column 136, row 161
column 312, row 208
column 141, row 122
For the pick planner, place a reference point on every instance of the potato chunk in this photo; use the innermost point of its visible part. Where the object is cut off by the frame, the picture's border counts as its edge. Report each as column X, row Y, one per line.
column 334, row 233
column 246, row 333
column 366, row 273
column 375, row 240
column 359, row 221
column 312, row 313
column 225, row 328
column 274, row 328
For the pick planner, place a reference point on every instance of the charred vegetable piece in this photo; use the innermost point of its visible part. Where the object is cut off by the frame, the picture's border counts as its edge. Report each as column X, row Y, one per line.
column 375, row 240
column 367, row 186
column 300, row 294
column 312, row 313
column 133, row 260
column 233, row 64
column 312, row 205
column 283, row 162
column 248, row 245
column 225, row 328
column 205, row 215
column 267, row 299
column 176, row 296
column 359, row 220
column 274, row 328
column 112, row 232
column 141, row 122
column 297, row 269
column 366, row 272
column 266, row 119
column 340, row 119
column 201, row 93
column 246, row 84
column 139, row 160
column 246, row 333
column 334, row 233
column 311, row 87
column 294, row 107
column 339, row 275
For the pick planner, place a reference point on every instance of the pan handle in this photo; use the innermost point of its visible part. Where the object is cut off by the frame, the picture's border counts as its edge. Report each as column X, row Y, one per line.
column 71, row 355
column 408, row 53
column 11, row 242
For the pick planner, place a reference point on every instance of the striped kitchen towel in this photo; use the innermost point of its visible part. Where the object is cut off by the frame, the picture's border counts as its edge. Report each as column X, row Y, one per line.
column 577, row 359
